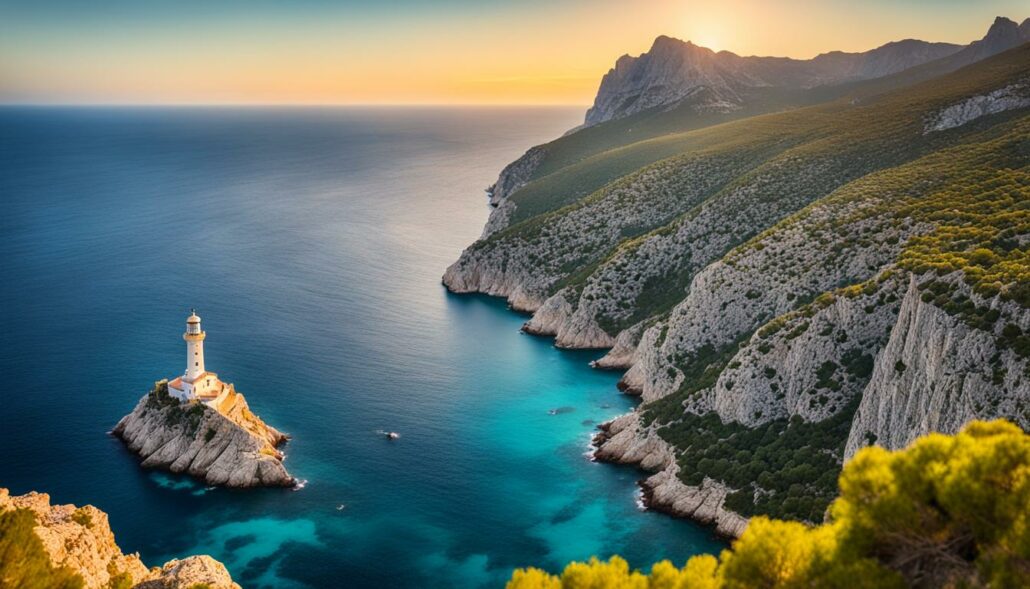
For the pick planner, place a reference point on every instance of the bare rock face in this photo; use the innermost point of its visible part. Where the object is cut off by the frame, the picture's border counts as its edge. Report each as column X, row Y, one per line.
column 190, row 572
column 227, row 445
column 937, row 373
column 674, row 72
column 516, row 174
column 1010, row 97
column 81, row 539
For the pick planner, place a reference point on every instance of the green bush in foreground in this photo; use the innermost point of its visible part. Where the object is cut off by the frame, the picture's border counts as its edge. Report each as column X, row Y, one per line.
column 948, row 511
column 23, row 561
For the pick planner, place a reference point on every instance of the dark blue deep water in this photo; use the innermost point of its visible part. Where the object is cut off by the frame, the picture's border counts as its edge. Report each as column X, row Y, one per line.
column 312, row 242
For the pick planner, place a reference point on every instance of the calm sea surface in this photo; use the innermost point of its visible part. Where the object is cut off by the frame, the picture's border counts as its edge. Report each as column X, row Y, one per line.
column 312, row 242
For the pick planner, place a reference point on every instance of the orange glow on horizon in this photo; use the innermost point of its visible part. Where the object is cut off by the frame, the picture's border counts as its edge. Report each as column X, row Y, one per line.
column 541, row 54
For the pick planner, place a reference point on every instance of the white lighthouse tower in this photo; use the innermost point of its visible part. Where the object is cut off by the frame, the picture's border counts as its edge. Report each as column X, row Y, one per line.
column 196, row 382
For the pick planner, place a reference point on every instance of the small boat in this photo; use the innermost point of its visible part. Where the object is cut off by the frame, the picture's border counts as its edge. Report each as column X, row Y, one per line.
column 340, row 507
column 392, row 435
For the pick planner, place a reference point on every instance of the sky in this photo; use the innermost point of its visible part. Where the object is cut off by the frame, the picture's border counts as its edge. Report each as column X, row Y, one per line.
column 529, row 52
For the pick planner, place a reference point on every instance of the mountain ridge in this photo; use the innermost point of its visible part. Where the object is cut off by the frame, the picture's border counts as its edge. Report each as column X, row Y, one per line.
column 811, row 279
column 589, row 140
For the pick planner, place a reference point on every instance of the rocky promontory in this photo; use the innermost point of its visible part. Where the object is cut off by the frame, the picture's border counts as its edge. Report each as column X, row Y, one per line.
column 77, row 543
column 221, row 442
column 624, row 441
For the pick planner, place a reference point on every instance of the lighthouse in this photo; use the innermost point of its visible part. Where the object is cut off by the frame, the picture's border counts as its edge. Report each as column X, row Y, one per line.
column 194, row 337
column 196, row 382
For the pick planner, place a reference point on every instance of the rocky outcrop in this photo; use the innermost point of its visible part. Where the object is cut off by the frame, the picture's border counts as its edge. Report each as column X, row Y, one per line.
column 80, row 538
column 225, row 444
column 622, row 355
column 937, row 373
column 625, row 441
column 1010, row 97
column 516, row 174
column 809, row 363
column 675, row 72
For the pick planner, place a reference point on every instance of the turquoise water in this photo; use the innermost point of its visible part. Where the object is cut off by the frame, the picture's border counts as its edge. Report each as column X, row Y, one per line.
column 312, row 242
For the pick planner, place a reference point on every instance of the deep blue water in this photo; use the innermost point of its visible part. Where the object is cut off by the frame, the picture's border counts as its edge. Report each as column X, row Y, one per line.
column 312, row 242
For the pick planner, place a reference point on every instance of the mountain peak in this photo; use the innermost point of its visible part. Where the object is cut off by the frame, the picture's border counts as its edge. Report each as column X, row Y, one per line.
column 1002, row 26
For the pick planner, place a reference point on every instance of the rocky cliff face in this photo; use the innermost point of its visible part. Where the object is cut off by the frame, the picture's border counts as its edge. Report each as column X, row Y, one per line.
column 625, row 441
column 937, row 373
column 791, row 287
column 675, row 72
column 516, row 174
column 81, row 539
column 227, row 445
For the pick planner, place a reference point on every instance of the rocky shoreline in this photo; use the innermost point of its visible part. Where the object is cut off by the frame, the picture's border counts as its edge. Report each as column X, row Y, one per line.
column 80, row 539
column 224, row 444
column 623, row 441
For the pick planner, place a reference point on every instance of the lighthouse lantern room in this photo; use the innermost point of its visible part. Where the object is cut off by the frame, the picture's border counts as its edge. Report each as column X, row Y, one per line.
column 196, row 382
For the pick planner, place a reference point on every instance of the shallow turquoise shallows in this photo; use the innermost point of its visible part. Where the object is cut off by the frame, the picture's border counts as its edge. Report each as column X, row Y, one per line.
column 312, row 242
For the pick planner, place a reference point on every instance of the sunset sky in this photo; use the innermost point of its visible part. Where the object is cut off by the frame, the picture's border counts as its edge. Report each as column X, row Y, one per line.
column 416, row 52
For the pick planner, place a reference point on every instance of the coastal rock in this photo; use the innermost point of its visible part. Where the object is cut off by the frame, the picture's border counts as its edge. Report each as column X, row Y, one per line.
column 516, row 174
column 622, row 355
column 809, row 363
column 624, row 441
column 191, row 572
column 525, row 267
column 705, row 504
column 937, row 373
column 223, row 445
column 81, row 539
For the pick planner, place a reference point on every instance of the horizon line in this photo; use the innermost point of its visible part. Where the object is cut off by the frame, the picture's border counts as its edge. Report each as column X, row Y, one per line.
column 289, row 104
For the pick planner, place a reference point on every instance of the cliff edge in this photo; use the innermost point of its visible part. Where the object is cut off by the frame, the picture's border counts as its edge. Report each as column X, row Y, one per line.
column 79, row 541
column 222, row 443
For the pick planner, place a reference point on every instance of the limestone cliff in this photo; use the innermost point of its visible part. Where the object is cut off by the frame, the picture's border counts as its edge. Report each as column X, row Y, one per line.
column 625, row 441
column 223, row 445
column 788, row 288
column 937, row 373
column 80, row 538
column 516, row 174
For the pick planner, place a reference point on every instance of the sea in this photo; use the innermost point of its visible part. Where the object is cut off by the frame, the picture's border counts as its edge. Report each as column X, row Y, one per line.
column 311, row 241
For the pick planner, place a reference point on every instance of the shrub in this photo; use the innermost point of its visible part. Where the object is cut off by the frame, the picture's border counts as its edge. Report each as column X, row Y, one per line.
column 948, row 511
column 24, row 563
column 120, row 581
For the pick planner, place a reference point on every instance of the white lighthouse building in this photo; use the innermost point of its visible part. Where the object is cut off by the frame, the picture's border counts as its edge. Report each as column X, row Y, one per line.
column 196, row 382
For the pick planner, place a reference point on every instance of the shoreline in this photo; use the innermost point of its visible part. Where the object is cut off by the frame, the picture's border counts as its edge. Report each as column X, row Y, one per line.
column 725, row 524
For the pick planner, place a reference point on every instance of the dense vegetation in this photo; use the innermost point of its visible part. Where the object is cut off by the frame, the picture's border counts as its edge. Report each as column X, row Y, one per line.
column 949, row 511
column 24, row 563
column 783, row 468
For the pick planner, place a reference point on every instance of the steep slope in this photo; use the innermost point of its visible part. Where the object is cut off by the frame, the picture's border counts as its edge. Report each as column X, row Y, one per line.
column 934, row 336
column 788, row 288
column 79, row 540
column 608, row 261
column 680, row 115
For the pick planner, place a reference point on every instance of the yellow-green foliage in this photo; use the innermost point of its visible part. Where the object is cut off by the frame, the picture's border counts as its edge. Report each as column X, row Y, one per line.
column 948, row 511
column 24, row 563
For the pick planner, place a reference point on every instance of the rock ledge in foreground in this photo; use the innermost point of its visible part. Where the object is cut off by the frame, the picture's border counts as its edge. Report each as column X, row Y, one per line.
column 80, row 538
